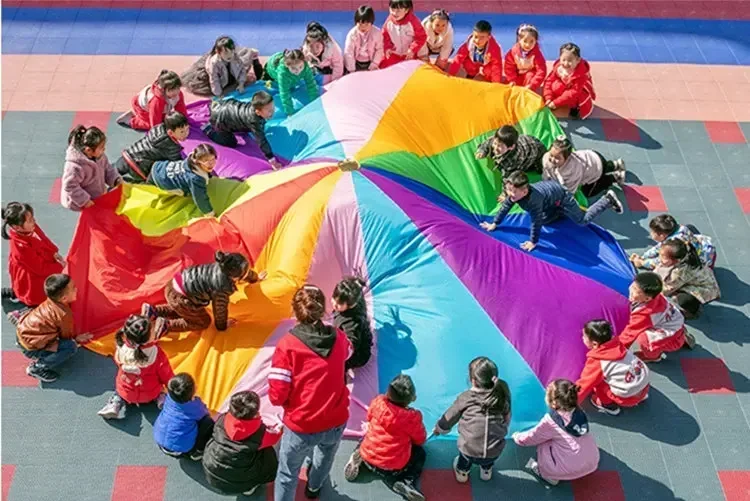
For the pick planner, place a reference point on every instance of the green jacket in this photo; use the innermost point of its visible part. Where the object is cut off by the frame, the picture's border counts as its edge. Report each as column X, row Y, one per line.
column 288, row 81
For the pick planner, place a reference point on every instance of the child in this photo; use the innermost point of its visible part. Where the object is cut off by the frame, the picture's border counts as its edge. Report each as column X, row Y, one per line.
column 665, row 227
column 154, row 102
column 439, row 38
column 229, row 116
column 188, row 177
column 363, row 50
column 584, row 169
column 511, row 152
column 142, row 366
column 161, row 143
column 569, row 84
column 32, row 257
column 184, row 425
column 480, row 56
column 350, row 315
column 223, row 69
column 45, row 334
column 524, row 63
column 656, row 323
column 483, row 417
column 545, row 202
column 686, row 279
column 289, row 69
column 240, row 457
column 565, row 448
column 403, row 35
column 323, row 53
column 195, row 287
column 87, row 173
column 307, row 379
column 616, row 377
column 392, row 446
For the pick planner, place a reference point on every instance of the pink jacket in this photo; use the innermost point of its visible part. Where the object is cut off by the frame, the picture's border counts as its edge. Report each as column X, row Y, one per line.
column 561, row 456
column 331, row 57
column 405, row 35
column 85, row 179
column 363, row 47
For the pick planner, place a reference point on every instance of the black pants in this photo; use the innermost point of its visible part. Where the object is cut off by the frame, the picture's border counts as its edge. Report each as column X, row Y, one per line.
column 205, row 432
column 409, row 473
column 689, row 304
column 221, row 137
column 604, row 182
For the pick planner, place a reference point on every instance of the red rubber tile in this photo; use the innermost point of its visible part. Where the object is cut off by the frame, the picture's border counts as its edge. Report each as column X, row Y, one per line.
column 707, row 375
column 644, row 198
column 9, row 470
column 14, row 371
column 736, row 485
column 621, row 130
column 54, row 192
column 144, row 483
column 441, row 484
column 597, row 486
column 725, row 132
column 92, row 118
column 743, row 197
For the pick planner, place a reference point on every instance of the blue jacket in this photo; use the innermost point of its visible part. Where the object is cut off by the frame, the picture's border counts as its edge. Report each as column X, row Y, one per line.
column 543, row 203
column 178, row 177
column 176, row 428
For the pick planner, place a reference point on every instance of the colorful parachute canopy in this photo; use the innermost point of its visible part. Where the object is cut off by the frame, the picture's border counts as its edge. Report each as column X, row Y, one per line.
column 442, row 291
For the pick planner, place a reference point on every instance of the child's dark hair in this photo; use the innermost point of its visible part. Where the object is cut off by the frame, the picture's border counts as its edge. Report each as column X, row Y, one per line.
column 349, row 291
column 244, row 405
column 232, row 264
column 564, row 395
column 401, row 4
column 293, row 55
column 563, row 144
column 517, row 179
column 316, row 32
column 168, row 80
column 483, row 26
column 14, row 214
column 484, row 375
column 82, row 137
column 527, row 29
column 650, row 283
column 261, row 99
column 309, row 304
column 364, row 14
column 663, row 224
column 508, row 135
column 222, row 43
column 571, row 47
column 55, row 285
column 441, row 14
column 181, row 388
column 135, row 333
column 401, row 390
column 175, row 120
column 598, row 331
column 201, row 151
column 679, row 250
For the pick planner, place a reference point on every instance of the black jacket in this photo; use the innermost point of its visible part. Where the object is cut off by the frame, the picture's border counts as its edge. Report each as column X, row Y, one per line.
column 235, row 116
column 156, row 145
column 356, row 326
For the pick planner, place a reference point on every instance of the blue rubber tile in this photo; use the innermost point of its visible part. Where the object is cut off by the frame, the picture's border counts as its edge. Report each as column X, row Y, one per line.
column 87, row 29
column 682, row 198
column 79, row 45
column 54, row 29
column 699, row 154
column 61, row 14
column 690, row 131
column 691, row 471
column 49, row 45
column 119, row 30
column 97, row 15
column 745, row 126
column 733, row 154
column 736, row 252
column 674, row 175
column 738, row 176
column 718, row 52
column 150, row 30
column 669, row 152
column 711, row 175
column 654, row 54
column 65, row 480
column 24, row 29
column 679, row 40
column 35, row 14
column 8, row 13
column 18, row 45
column 584, row 38
column 657, row 130
column 146, row 46
column 640, row 174
column 628, row 152
column 688, row 55
column 629, row 53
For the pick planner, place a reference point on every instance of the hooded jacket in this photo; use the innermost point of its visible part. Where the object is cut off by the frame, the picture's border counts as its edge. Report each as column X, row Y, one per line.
column 657, row 323
column 404, row 35
column 151, row 105
column 574, row 91
column 44, row 326
column 230, row 115
column 702, row 244
column 155, row 146
column 700, row 282
column 492, row 62
column 526, row 69
column 176, row 427
column 440, row 44
column 141, row 382
column 331, row 57
column 85, row 179
column 31, row 259
column 391, row 431
column 363, row 47
column 612, row 363
column 288, row 81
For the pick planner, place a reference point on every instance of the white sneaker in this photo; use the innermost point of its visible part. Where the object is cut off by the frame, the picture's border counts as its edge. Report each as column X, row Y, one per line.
column 115, row 409
column 461, row 476
column 619, row 177
column 619, row 164
column 534, row 467
column 616, row 204
column 485, row 474
column 251, row 491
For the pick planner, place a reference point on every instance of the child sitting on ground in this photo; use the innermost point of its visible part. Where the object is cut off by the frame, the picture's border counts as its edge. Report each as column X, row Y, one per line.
column 229, row 117
column 289, row 69
column 481, row 57
column 161, row 143
column 569, row 84
column 32, row 257
column 194, row 288
column 188, row 177
column 665, row 227
column 392, row 446
column 154, row 102
column 240, row 457
column 363, row 50
column 511, row 152
column 584, row 169
column 223, row 69
column 350, row 315
column 689, row 282
column 323, row 53
column 616, row 377
column 87, row 174
column 403, row 35
column 483, row 416
column 439, row 38
column 565, row 447
column 524, row 63
column 184, row 425
column 143, row 368
column 545, row 202
column 45, row 334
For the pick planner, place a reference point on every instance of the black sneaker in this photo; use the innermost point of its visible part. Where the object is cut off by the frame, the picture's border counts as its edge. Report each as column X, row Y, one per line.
column 41, row 373
column 351, row 470
column 616, row 204
column 8, row 294
column 611, row 409
column 311, row 494
column 407, row 491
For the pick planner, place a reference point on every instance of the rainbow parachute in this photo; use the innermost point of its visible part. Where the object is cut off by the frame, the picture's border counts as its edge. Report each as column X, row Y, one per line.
column 442, row 291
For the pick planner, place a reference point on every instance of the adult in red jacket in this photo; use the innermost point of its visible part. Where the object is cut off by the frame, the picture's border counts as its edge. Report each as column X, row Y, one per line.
column 32, row 257
column 524, row 63
column 307, row 379
column 154, row 102
column 569, row 84
column 480, row 56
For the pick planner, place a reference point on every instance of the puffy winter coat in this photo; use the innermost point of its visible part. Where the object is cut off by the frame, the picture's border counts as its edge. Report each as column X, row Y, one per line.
column 525, row 69
column 140, row 156
column 575, row 90
column 141, row 382
column 230, row 115
column 31, row 259
column 151, row 105
column 391, row 431
column 176, row 427
column 491, row 63
column 332, row 59
column 85, row 179
column 179, row 178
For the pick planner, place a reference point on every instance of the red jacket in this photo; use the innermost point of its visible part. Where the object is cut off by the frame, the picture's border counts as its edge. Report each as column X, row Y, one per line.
column 528, row 71
column 576, row 91
column 391, row 431
column 612, row 363
column 31, row 259
column 658, row 324
column 404, row 35
column 150, row 107
column 493, row 61
column 141, row 383
column 307, row 378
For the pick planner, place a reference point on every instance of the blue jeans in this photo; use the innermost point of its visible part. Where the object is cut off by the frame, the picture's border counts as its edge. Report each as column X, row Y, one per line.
column 465, row 462
column 66, row 348
column 580, row 216
column 294, row 449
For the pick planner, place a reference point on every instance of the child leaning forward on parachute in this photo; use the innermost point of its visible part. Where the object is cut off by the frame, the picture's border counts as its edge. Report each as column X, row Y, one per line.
column 288, row 69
